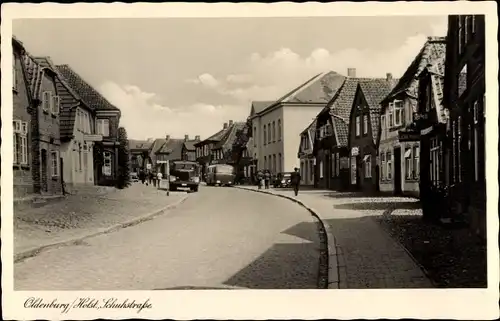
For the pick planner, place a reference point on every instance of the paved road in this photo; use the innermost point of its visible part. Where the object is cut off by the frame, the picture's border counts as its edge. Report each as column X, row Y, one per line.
column 218, row 238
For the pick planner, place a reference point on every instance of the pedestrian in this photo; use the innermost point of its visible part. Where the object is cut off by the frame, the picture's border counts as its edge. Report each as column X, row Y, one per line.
column 260, row 179
column 159, row 176
column 150, row 177
column 142, row 176
column 267, row 178
column 295, row 180
column 154, row 179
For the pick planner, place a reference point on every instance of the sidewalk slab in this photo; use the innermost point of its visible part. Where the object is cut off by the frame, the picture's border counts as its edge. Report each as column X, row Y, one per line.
column 82, row 216
column 362, row 254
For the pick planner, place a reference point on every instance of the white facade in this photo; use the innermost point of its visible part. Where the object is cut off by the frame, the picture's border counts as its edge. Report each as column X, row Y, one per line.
column 307, row 161
column 276, row 134
column 78, row 153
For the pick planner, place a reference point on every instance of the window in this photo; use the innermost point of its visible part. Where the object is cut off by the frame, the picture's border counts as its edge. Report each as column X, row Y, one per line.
column 14, row 72
column 368, row 166
column 382, row 166
column 382, row 126
column 54, row 158
column 20, row 140
column 86, row 123
column 435, row 161
column 337, row 161
column 274, row 163
column 358, row 125
column 408, row 163
column 389, row 165
column 398, row 113
column 279, row 129
column 255, row 140
column 46, row 100
column 321, row 169
column 103, row 127
column 80, row 158
column 365, row 124
column 106, row 167
column 85, row 155
column 55, row 106
column 279, row 162
column 274, row 131
column 265, row 162
column 265, row 135
column 269, row 133
column 416, row 162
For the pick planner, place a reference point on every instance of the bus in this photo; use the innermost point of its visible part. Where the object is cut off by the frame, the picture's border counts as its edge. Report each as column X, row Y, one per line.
column 221, row 175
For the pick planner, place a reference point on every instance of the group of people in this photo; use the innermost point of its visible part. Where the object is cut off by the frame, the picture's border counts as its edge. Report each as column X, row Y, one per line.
column 150, row 177
column 264, row 178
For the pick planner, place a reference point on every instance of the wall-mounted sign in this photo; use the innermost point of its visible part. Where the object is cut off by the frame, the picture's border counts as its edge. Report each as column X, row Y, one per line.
column 92, row 138
column 355, row 151
column 426, row 131
column 148, row 166
column 409, row 136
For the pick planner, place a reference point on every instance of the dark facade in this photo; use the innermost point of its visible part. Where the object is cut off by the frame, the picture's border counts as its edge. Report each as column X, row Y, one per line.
column 363, row 130
column 46, row 159
column 22, row 136
column 465, row 168
column 188, row 148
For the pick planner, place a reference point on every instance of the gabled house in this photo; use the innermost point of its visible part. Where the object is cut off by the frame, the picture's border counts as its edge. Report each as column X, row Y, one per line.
column 107, row 119
column 205, row 155
column 77, row 133
column 363, row 130
column 306, row 155
column 222, row 151
column 331, row 143
column 243, row 151
column 465, row 100
column 150, row 162
column 399, row 146
column 24, row 158
column 170, row 150
column 277, row 127
column 47, row 172
column 188, row 148
column 139, row 154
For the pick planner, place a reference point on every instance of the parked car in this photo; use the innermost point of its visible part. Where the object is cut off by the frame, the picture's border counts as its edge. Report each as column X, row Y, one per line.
column 283, row 180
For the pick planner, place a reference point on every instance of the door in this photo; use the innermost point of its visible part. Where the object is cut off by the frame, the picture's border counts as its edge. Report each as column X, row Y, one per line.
column 397, row 170
column 359, row 167
column 43, row 173
column 61, row 174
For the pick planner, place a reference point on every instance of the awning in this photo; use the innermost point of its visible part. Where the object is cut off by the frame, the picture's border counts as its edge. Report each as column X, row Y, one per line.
column 408, row 153
column 366, row 158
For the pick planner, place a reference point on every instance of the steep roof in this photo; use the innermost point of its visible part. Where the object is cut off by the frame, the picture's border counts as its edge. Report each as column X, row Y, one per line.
column 88, row 94
column 189, row 145
column 34, row 73
column 434, row 48
column 173, row 148
column 374, row 91
column 157, row 145
column 312, row 126
column 229, row 137
column 68, row 98
column 341, row 130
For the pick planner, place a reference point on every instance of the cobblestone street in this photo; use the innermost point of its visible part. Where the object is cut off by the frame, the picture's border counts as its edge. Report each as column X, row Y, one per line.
column 218, row 238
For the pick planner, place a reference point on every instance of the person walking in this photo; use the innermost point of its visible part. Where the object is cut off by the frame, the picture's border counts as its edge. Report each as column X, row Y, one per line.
column 159, row 176
column 142, row 176
column 295, row 180
column 267, row 178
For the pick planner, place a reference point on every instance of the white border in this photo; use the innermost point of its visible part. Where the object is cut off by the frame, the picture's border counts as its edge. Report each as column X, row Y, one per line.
column 262, row 304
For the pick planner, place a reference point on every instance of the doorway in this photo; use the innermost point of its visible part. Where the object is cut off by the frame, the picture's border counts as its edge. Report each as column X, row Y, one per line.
column 397, row 170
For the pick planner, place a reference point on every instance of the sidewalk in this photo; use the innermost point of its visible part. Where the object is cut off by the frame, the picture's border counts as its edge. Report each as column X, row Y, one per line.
column 362, row 254
column 83, row 215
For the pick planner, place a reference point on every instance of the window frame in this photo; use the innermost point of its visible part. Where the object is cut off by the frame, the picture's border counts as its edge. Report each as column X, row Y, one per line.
column 54, row 160
column 358, row 125
column 368, row 166
column 365, row 124
column 382, row 166
column 389, row 165
column 46, row 101
column 279, row 130
column 398, row 111
column 409, row 163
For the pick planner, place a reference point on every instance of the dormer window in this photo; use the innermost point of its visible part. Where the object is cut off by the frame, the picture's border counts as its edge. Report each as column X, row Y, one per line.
column 365, row 124
column 398, row 113
column 358, row 125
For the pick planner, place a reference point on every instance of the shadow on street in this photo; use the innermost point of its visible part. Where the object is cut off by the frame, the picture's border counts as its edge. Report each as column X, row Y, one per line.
column 284, row 265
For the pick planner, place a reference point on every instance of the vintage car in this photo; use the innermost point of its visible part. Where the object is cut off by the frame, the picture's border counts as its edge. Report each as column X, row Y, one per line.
column 221, row 175
column 283, row 180
column 184, row 174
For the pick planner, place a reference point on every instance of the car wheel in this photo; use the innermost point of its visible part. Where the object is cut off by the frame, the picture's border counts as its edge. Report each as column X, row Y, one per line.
column 173, row 189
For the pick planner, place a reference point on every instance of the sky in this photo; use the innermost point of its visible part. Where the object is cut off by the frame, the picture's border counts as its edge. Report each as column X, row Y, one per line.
column 187, row 76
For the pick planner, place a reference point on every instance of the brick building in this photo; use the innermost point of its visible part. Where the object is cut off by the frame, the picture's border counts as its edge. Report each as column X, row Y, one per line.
column 107, row 119
column 465, row 167
column 45, row 127
column 22, row 125
column 188, row 148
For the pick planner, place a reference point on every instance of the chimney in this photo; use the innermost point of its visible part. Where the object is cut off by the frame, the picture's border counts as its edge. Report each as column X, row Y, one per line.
column 186, row 137
column 230, row 122
column 351, row 72
column 167, row 137
column 197, row 137
column 225, row 126
column 389, row 77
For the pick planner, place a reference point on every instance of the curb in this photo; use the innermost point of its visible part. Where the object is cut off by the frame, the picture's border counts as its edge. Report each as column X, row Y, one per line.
column 75, row 241
column 337, row 276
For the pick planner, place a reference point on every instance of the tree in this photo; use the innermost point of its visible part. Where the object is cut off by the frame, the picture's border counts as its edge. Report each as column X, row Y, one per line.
column 123, row 179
